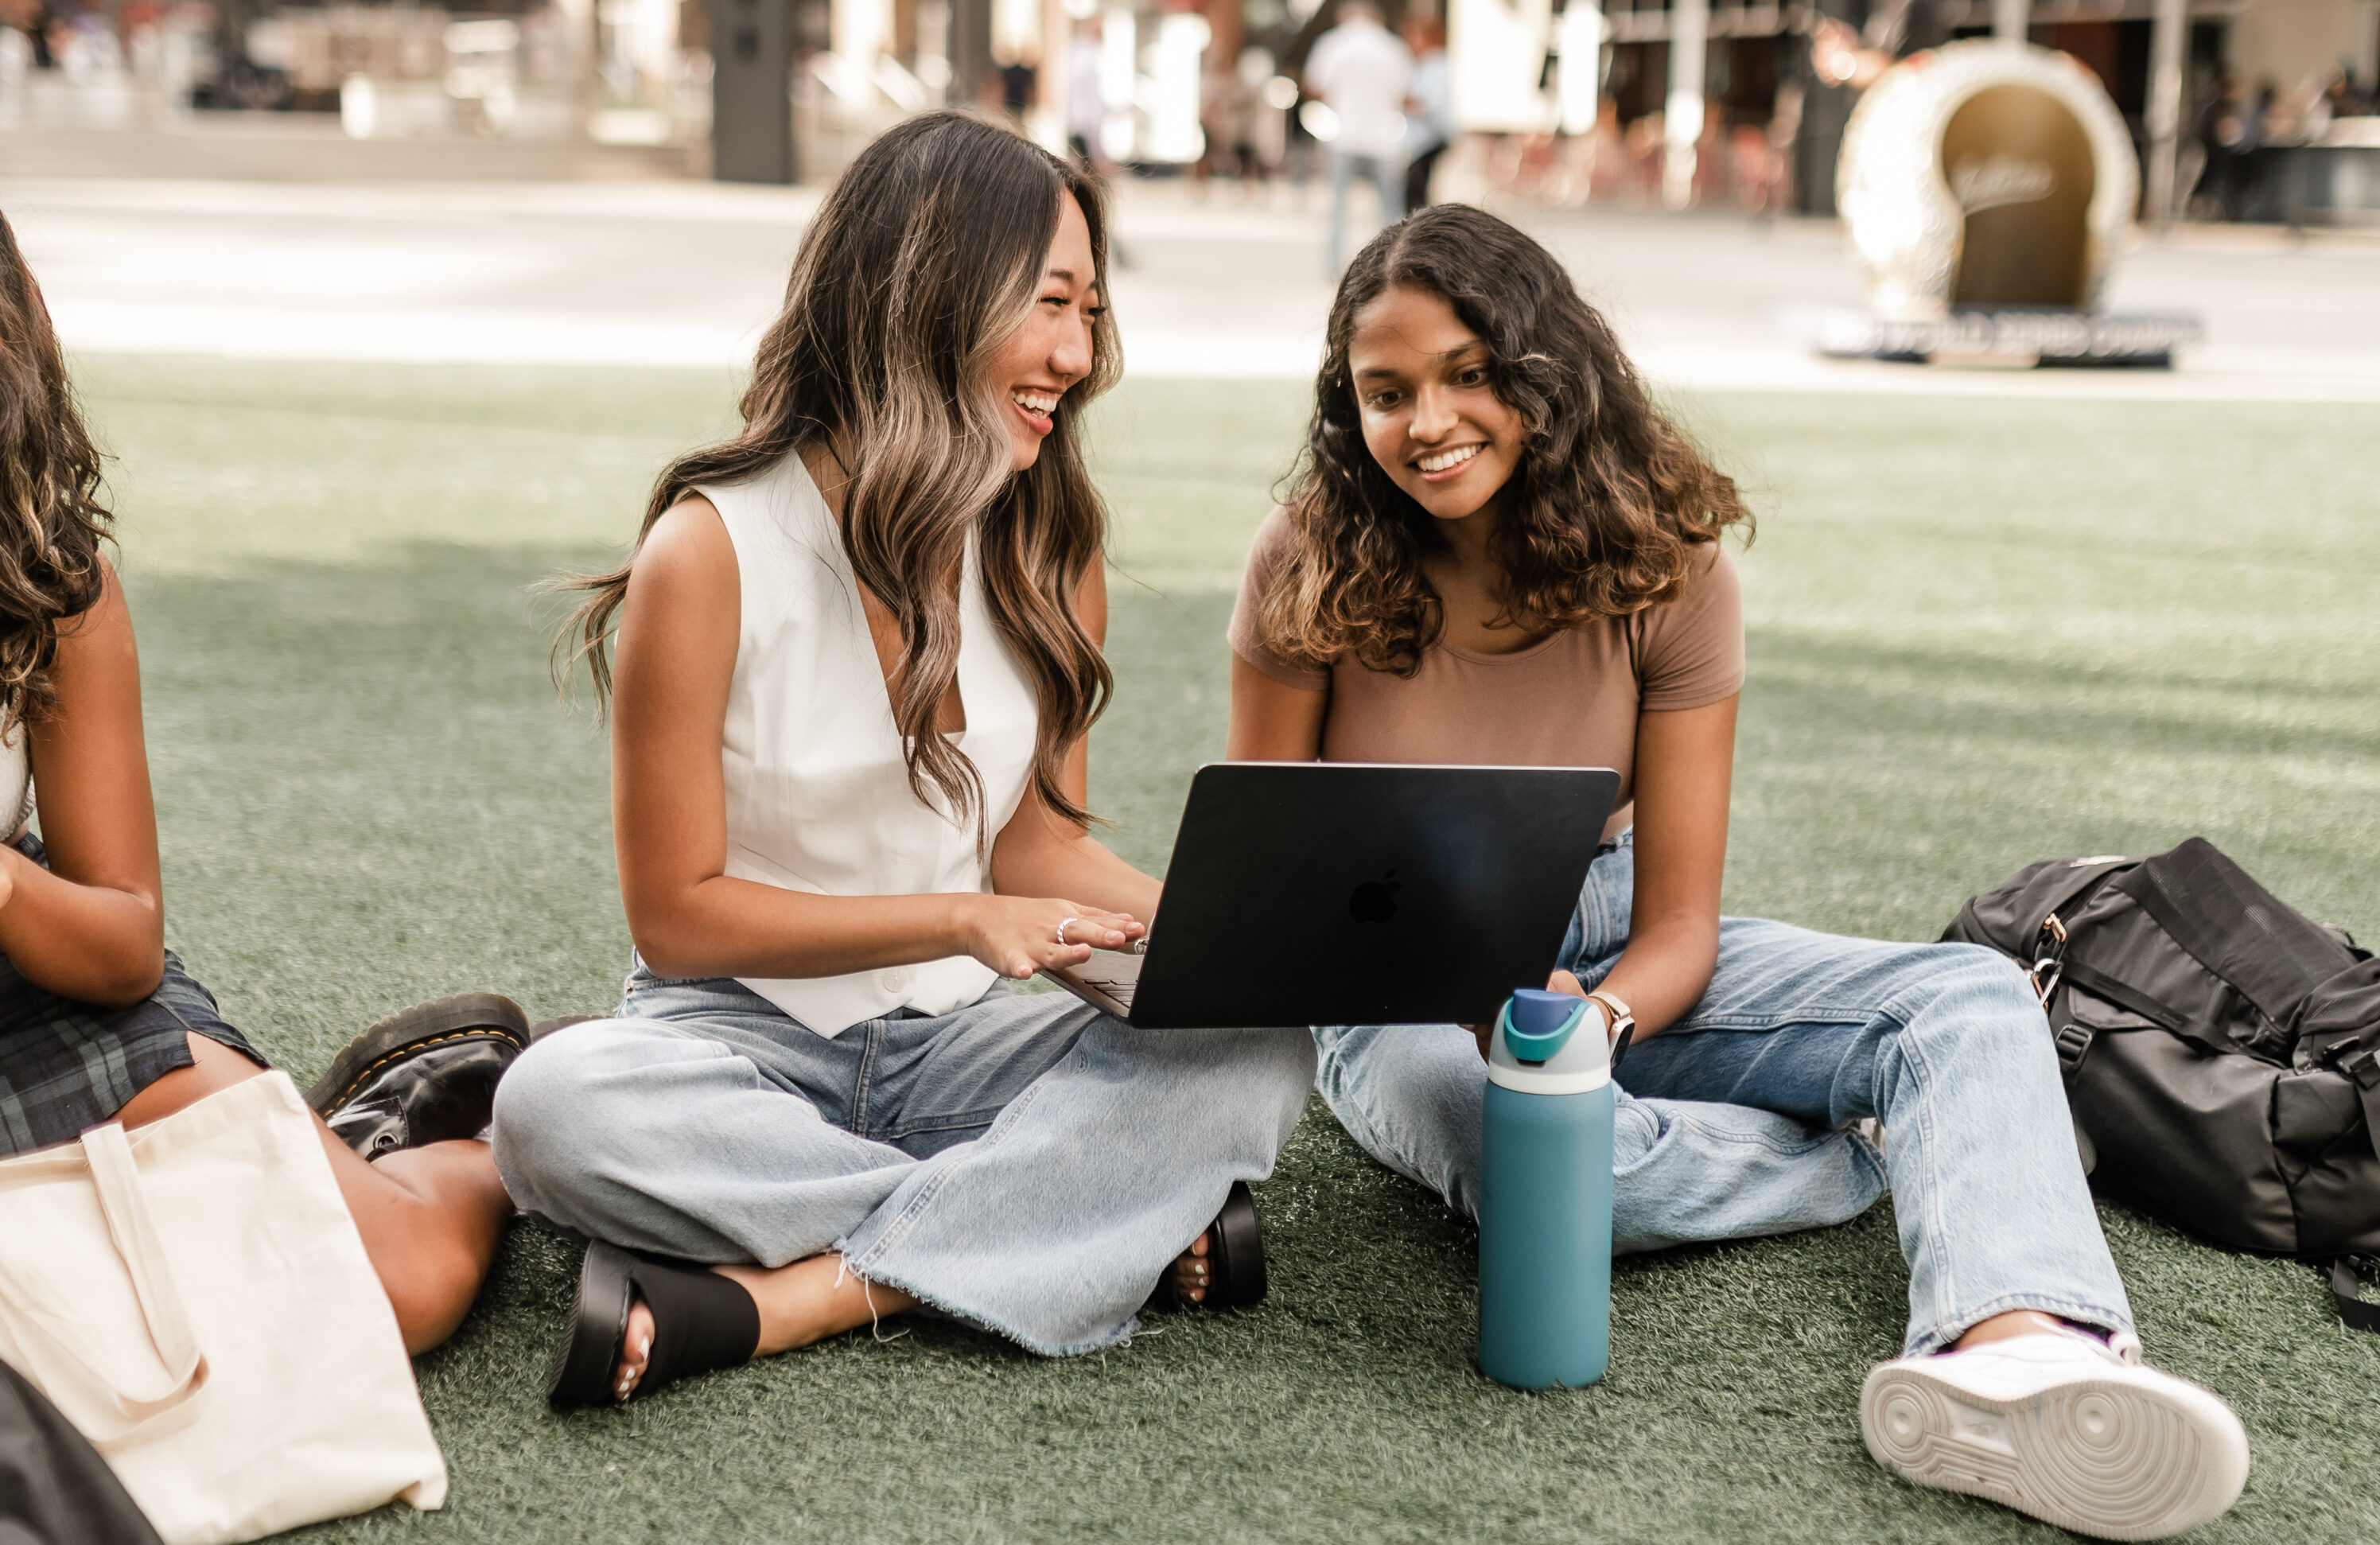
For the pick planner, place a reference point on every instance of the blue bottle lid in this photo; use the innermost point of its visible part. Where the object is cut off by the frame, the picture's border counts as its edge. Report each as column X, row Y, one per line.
column 1538, row 1024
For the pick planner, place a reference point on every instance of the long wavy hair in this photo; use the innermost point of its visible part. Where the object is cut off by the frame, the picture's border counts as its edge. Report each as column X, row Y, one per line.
column 923, row 259
column 1601, row 516
column 51, row 518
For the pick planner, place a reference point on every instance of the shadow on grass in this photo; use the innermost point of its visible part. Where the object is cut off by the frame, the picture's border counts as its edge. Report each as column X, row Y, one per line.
column 369, row 796
column 2058, row 708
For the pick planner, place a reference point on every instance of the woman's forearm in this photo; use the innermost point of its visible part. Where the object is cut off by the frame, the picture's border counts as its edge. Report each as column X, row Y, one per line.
column 90, row 943
column 1080, row 868
column 724, row 927
column 1664, row 969
column 1683, row 762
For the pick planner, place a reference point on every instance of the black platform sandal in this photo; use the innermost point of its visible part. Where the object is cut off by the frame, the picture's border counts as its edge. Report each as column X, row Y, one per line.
column 702, row 1321
column 1236, row 1260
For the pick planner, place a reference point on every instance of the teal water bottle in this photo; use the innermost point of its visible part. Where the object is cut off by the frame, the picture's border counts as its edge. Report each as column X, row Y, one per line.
column 1545, row 1196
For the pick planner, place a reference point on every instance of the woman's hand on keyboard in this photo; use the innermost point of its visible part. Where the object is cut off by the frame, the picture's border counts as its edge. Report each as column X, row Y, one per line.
column 1019, row 935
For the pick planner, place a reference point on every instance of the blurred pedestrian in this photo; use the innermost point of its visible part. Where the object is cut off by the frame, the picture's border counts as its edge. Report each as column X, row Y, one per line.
column 2256, row 125
column 1429, row 117
column 1016, row 82
column 1362, row 71
column 16, row 63
column 29, row 19
column 1844, row 63
column 1256, row 132
column 2251, row 156
column 1218, row 94
column 1086, row 110
column 2214, row 129
column 1894, row 32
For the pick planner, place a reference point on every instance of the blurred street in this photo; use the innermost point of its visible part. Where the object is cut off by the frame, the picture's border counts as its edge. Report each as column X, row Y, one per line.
column 686, row 273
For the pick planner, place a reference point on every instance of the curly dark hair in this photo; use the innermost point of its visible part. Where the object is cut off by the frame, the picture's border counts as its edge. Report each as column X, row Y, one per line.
column 51, row 520
column 1601, row 516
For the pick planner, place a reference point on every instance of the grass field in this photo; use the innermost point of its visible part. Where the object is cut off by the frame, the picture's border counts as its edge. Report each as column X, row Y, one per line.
column 1982, row 632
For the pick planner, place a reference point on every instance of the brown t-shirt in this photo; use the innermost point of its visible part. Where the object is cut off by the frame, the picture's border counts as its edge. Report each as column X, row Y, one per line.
column 1570, row 699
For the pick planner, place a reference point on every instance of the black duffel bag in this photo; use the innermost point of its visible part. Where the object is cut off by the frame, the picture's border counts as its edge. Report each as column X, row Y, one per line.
column 2221, row 1051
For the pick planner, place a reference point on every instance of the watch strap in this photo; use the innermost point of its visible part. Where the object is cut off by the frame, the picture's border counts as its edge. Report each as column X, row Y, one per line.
column 1621, row 1028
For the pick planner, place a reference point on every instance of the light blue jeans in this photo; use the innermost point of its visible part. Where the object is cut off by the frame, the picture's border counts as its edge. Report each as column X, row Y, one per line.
column 1728, row 1123
column 1024, row 1163
column 1387, row 174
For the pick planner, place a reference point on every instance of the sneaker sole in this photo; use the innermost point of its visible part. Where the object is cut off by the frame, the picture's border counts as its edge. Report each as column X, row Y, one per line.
column 2111, row 1457
column 467, row 1015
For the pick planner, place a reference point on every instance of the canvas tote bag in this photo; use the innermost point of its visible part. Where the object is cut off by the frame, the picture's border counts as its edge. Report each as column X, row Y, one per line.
column 195, row 1299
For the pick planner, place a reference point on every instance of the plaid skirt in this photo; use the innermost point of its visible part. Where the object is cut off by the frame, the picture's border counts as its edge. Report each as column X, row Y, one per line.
column 66, row 1065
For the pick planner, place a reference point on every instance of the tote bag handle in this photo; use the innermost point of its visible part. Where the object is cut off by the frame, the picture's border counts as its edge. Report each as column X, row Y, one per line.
column 103, row 1410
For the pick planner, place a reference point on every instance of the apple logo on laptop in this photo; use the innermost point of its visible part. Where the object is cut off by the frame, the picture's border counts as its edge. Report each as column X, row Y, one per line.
column 1375, row 900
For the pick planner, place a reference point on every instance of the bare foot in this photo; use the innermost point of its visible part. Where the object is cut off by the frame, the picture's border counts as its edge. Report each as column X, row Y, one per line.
column 804, row 1301
column 636, row 1347
column 1189, row 1271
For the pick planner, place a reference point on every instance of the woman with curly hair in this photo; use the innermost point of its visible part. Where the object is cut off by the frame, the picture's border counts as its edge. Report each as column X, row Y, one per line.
column 1498, row 549
column 98, row 1020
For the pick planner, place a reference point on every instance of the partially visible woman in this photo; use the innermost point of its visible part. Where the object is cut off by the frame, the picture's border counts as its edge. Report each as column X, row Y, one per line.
column 98, row 1020
column 1500, row 550
column 857, row 658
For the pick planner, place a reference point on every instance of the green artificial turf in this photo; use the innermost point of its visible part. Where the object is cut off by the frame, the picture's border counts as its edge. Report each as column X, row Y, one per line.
column 1982, row 632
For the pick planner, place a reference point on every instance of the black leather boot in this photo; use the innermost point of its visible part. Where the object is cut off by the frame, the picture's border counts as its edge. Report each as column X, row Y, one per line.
column 426, row 1074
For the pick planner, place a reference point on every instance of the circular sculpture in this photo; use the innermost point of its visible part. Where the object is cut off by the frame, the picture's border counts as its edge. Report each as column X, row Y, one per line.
column 1986, row 175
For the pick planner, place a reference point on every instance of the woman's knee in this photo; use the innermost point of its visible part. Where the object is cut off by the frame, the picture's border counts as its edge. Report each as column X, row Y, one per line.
column 1278, row 1067
column 430, row 1287
column 1410, row 1095
column 1997, row 985
column 564, row 1102
column 1292, row 1059
column 1972, row 994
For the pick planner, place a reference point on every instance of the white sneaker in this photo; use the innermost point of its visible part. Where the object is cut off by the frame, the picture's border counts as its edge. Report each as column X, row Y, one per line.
column 2063, row 1428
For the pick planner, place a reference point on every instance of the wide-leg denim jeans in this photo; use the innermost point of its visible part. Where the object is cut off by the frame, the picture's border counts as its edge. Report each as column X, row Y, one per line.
column 1024, row 1163
column 1730, row 1121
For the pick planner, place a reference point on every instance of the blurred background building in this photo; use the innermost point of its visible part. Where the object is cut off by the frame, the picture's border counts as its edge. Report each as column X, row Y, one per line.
column 2239, row 109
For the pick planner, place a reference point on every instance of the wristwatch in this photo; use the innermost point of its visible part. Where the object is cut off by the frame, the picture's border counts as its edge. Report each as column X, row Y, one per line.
column 1619, row 1023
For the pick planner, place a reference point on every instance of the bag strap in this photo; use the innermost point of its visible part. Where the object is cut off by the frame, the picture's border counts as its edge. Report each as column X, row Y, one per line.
column 2346, row 1286
column 2074, row 1041
column 101, row 1408
column 2363, row 1067
column 117, row 1181
column 2236, row 928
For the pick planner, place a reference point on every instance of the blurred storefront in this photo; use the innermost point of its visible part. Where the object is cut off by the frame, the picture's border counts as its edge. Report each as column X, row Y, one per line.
column 1157, row 85
column 2253, row 109
column 613, row 71
column 1718, row 101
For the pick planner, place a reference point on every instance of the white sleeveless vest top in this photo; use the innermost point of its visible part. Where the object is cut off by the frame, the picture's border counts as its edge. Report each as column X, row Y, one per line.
column 818, row 792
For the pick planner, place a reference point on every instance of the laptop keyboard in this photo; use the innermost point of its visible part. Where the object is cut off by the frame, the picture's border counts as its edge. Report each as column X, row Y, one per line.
column 1116, row 977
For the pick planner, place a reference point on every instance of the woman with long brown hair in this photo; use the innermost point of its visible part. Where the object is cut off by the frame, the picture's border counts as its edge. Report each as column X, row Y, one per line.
column 857, row 652
column 1499, row 550
column 98, row 1020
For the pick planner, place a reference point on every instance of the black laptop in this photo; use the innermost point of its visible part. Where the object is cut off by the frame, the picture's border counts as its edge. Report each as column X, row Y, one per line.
column 1358, row 894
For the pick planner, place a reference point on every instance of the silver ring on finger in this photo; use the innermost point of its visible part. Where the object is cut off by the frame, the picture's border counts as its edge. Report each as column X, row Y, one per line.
column 1062, row 931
